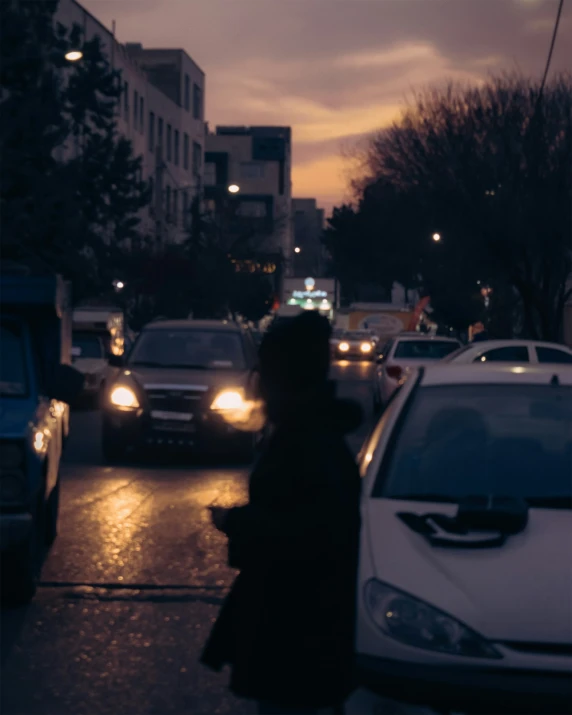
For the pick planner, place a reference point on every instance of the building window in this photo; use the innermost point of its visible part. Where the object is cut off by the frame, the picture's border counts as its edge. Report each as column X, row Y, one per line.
column 210, row 174
column 169, row 143
column 126, row 101
column 160, row 131
column 142, row 115
column 151, row 131
column 176, row 149
column 197, row 158
column 187, row 92
column 197, row 102
column 168, row 202
column 135, row 108
column 251, row 170
column 252, row 209
column 186, row 151
column 186, row 217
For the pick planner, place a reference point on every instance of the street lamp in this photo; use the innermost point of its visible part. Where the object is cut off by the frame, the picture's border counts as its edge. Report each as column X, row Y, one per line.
column 234, row 189
column 297, row 249
column 118, row 285
column 73, row 55
column 436, row 237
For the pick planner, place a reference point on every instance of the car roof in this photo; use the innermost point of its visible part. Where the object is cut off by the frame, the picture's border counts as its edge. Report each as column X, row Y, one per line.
column 479, row 345
column 226, row 326
column 409, row 337
column 494, row 374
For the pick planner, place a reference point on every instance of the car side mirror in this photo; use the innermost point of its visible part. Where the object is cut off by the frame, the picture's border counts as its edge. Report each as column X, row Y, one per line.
column 65, row 384
column 116, row 360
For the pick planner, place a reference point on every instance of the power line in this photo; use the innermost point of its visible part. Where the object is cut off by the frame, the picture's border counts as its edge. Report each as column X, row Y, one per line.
column 551, row 50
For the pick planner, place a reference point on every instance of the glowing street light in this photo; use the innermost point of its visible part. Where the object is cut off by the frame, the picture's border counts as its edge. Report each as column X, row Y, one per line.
column 234, row 189
column 297, row 249
column 436, row 237
column 73, row 55
column 118, row 285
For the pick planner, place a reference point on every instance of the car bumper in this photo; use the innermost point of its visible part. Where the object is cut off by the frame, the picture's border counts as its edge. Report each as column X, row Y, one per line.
column 204, row 432
column 353, row 354
column 14, row 529
column 467, row 689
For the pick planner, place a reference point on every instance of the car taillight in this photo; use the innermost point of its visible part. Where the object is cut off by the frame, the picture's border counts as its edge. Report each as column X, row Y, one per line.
column 394, row 371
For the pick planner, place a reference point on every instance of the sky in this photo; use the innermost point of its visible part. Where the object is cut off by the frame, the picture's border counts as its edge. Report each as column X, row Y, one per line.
column 337, row 70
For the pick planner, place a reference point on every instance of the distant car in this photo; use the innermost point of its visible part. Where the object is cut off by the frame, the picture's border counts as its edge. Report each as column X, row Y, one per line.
column 181, row 381
column 515, row 352
column 354, row 344
column 400, row 354
column 465, row 575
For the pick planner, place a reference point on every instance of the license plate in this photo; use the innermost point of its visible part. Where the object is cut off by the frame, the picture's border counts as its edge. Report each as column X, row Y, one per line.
column 171, row 416
column 164, row 426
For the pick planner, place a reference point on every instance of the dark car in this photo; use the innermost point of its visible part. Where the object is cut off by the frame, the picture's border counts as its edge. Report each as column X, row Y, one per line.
column 181, row 383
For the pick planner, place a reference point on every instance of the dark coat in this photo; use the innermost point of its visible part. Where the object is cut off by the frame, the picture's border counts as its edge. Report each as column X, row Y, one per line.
column 287, row 626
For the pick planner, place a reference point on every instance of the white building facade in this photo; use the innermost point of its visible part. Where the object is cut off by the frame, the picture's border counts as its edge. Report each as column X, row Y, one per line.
column 161, row 111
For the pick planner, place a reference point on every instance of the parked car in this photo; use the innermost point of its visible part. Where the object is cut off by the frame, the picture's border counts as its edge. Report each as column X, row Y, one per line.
column 516, row 352
column 465, row 575
column 179, row 385
column 354, row 344
column 400, row 354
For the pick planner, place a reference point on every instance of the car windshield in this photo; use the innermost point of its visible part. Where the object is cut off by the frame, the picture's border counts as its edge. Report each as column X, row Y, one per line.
column 199, row 349
column 424, row 349
column 357, row 335
column 86, row 345
column 13, row 366
column 506, row 440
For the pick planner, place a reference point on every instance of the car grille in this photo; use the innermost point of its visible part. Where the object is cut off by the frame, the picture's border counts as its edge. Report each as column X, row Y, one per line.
column 174, row 400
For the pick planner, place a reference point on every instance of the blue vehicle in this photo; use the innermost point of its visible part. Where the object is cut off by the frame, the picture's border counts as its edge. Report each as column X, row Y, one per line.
column 37, row 384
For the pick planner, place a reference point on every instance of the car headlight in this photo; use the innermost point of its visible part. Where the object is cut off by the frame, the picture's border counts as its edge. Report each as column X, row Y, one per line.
column 124, row 398
column 365, row 347
column 343, row 347
column 229, row 400
column 417, row 624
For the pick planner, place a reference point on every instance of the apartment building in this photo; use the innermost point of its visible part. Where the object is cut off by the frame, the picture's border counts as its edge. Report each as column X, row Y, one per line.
column 161, row 111
column 248, row 179
column 309, row 256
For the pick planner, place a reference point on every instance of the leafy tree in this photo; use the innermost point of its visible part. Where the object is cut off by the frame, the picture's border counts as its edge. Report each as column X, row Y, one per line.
column 71, row 188
column 492, row 164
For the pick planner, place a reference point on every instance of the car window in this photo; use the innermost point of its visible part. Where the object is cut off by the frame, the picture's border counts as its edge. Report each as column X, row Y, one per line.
column 424, row 349
column 13, row 364
column 512, row 353
column 184, row 348
column 553, row 355
column 87, row 345
column 460, row 441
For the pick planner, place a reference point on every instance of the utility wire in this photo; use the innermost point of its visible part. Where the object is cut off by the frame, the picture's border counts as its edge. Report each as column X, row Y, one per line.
column 551, row 50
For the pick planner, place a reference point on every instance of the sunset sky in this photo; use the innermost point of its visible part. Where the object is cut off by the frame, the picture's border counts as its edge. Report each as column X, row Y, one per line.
column 335, row 70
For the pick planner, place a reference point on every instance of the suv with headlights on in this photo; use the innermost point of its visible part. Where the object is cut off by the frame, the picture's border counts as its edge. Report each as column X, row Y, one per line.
column 186, row 384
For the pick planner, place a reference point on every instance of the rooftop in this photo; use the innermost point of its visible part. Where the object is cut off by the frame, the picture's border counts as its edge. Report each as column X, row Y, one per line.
column 497, row 374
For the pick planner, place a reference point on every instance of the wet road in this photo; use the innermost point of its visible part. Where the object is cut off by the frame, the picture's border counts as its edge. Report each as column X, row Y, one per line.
column 131, row 587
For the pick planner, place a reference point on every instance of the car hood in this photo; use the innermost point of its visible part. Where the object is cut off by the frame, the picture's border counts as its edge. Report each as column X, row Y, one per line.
column 187, row 378
column 90, row 365
column 518, row 592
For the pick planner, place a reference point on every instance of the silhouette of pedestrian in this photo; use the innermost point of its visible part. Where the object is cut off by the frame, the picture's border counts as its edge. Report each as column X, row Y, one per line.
column 287, row 626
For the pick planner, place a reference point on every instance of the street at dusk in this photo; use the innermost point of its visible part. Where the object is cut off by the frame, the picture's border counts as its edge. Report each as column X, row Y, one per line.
column 132, row 586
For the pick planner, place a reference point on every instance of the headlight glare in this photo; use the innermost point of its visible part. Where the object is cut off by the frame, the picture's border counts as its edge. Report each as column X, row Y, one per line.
column 229, row 400
column 420, row 625
column 343, row 347
column 365, row 347
column 124, row 398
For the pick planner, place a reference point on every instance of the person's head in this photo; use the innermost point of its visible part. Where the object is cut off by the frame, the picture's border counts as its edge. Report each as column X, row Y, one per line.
column 295, row 358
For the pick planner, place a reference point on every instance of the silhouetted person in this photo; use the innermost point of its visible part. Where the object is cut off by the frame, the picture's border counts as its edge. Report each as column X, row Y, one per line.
column 287, row 626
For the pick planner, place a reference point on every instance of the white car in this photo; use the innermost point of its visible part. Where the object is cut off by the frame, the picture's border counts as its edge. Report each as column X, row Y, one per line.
column 402, row 353
column 465, row 575
column 516, row 352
